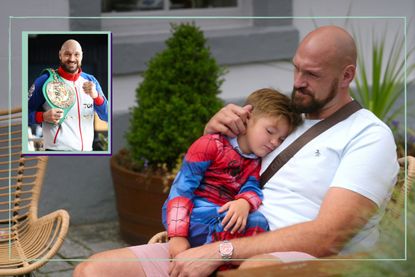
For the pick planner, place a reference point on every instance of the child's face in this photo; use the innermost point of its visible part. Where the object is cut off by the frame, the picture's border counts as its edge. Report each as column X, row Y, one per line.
column 265, row 133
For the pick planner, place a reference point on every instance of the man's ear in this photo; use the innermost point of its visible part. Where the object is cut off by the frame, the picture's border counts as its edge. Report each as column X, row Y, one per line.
column 348, row 76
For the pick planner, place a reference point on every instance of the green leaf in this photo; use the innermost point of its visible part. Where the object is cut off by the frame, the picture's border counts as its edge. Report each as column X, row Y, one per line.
column 386, row 85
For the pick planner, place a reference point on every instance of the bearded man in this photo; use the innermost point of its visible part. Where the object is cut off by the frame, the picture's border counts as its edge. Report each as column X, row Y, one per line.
column 64, row 101
column 327, row 199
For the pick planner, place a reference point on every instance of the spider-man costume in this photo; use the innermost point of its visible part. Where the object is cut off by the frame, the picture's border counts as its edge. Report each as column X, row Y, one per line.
column 213, row 173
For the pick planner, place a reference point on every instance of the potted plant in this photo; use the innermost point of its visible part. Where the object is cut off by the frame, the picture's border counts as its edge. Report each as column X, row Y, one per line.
column 178, row 95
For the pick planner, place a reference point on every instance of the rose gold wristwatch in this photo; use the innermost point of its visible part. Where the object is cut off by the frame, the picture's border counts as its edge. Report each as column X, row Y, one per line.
column 226, row 250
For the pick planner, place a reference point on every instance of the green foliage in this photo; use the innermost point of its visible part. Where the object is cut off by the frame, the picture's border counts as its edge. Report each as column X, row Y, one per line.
column 380, row 84
column 380, row 90
column 392, row 249
column 177, row 97
column 103, row 141
column 403, row 139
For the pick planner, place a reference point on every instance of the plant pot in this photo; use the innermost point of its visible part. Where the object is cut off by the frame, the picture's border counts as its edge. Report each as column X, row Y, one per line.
column 139, row 200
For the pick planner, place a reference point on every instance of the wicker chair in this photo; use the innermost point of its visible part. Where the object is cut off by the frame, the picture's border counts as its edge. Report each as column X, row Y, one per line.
column 394, row 210
column 26, row 241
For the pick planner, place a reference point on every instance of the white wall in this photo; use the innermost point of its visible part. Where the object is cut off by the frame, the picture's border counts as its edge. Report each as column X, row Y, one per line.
column 365, row 27
column 361, row 8
column 23, row 8
column 243, row 79
column 240, row 80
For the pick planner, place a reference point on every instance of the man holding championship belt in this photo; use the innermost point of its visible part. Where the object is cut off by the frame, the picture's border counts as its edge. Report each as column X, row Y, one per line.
column 64, row 102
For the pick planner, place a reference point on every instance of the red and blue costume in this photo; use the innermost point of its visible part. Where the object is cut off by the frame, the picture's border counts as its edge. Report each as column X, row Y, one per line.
column 213, row 173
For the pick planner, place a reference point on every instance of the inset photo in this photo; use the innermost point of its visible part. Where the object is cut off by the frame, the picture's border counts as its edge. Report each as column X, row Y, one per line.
column 66, row 101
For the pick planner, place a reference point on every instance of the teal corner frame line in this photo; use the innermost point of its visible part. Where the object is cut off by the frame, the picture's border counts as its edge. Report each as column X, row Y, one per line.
column 10, row 149
column 406, row 139
column 404, row 18
column 207, row 17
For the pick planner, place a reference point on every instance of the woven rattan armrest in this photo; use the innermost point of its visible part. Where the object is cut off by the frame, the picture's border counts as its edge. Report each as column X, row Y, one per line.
column 26, row 241
column 37, row 243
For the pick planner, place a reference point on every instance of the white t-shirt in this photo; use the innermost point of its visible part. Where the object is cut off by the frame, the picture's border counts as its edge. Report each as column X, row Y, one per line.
column 358, row 154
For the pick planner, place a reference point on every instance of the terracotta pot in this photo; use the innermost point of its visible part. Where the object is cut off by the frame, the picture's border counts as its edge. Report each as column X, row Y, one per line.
column 139, row 201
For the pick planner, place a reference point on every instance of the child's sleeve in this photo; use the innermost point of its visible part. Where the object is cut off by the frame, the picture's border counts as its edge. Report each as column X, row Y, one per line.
column 180, row 201
column 251, row 191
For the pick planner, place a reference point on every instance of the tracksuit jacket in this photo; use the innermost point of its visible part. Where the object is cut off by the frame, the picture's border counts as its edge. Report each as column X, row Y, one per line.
column 76, row 132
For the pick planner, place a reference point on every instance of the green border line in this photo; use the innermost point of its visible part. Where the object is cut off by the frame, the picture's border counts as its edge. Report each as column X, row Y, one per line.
column 208, row 17
column 243, row 17
column 405, row 142
column 10, row 138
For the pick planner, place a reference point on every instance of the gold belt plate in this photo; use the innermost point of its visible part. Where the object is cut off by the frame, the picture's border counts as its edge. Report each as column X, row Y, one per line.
column 60, row 94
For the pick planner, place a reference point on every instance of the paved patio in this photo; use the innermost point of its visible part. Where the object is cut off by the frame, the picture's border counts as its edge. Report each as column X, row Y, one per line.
column 80, row 243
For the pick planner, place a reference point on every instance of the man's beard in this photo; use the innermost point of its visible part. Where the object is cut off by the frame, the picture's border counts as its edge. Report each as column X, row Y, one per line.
column 313, row 105
column 65, row 67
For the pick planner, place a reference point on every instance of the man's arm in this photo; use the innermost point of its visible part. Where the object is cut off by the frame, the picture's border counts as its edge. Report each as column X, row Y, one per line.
column 94, row 90
column 342, row 214
column 36, row 100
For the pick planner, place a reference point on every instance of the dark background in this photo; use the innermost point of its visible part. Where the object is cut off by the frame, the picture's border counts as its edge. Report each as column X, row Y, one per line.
column 44, row 53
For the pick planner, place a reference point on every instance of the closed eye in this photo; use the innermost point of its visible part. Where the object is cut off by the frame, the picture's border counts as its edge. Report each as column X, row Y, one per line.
column 313, row 74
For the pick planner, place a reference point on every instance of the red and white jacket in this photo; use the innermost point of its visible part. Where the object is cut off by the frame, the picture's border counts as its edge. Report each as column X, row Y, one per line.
column 76, row 132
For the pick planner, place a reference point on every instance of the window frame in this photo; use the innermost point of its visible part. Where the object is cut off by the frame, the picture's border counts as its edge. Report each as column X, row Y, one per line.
column 120, row 23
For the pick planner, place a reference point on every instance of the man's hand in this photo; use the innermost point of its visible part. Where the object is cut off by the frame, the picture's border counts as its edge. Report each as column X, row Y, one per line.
column 236, row 216
column 53, row 116
column 178, row 245
column 229, row 121
column 196, row 261
column 89, row 88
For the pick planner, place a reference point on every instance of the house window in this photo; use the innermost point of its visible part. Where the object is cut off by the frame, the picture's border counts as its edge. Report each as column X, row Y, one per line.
column 165, row 5
column 133, row 23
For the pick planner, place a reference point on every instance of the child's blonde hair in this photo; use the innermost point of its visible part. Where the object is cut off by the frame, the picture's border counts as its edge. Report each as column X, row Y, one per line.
column 272, row 103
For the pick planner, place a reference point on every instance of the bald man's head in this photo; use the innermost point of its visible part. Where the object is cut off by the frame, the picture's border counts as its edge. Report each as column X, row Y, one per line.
column 331, row 43
column 325, row 65
column 70, row 56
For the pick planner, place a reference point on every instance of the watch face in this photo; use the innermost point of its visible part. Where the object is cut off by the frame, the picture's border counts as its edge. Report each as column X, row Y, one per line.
column 226, row 249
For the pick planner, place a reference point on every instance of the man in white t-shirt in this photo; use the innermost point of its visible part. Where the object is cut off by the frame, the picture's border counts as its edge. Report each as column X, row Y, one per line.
column 327, row 199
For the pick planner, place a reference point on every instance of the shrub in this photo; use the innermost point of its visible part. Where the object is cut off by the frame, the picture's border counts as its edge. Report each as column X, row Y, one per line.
column 177, row 97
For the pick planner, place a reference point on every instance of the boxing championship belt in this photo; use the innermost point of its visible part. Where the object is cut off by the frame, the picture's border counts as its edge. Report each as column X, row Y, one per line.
column 57, row 93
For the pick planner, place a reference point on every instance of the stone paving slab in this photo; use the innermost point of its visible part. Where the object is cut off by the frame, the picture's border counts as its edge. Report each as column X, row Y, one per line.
column 55, row 266
column 105, row 245
column 66, row 273
column 73, row 249
column 80, row 243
